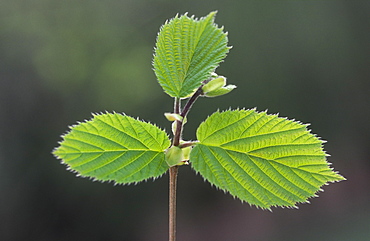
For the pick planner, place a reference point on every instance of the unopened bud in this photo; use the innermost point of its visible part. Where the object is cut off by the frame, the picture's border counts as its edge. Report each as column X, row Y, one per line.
column 214, row 84
column 174, row 156
column 174, row 127
column 186, row 152
column 173, row 117
column 222, row 91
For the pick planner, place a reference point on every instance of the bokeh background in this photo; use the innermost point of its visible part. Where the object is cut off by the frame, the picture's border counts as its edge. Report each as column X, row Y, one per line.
column 62, row 60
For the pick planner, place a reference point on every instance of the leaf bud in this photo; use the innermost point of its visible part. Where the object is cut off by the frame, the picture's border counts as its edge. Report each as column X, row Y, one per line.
column 214, row 84
column 186, row 152
column 222, row 91
column 174, row 156
column 174, row 127
column 173, row 117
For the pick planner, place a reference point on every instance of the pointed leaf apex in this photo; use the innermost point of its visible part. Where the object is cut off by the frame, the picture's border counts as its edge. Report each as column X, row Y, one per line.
column 182, row 43
column 114, row 147
column 262, row 159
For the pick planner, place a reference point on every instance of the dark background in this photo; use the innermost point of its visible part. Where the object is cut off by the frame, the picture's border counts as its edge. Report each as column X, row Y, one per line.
column 62, row 60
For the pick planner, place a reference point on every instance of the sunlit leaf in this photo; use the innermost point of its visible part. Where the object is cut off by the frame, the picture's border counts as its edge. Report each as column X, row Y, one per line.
column 262, row 159
column 115, row 147
column 187, row 51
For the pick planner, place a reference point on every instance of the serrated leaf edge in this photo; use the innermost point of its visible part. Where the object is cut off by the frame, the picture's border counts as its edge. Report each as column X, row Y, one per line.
column 314, row 195
column 94, row 179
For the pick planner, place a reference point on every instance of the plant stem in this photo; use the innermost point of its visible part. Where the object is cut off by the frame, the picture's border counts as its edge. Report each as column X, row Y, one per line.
column 174, row 170
column 173, row 177
column 177, row 106
column 177, row 110
column 184, row 112
column 191, row 101
column 172, row 203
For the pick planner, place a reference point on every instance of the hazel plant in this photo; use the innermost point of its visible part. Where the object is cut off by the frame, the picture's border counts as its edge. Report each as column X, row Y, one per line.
column 262, row 159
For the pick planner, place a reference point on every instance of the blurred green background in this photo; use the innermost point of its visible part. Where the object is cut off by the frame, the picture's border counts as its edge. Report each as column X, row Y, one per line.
column 62, row 60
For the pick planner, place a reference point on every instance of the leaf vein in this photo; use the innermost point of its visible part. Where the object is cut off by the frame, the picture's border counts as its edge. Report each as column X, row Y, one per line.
column 122, row 131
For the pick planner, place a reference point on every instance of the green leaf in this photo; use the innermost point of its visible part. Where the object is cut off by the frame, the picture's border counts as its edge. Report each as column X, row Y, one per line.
column 214, row 84
column 115, row 147
column 187, row 52
column 222, row 91
column 262, row 159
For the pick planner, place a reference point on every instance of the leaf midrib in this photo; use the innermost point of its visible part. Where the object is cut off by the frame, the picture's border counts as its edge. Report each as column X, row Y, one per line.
column 254, row 135
column 109, row 151
column 192, row 53
column 260, row 184
column 272, row 160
